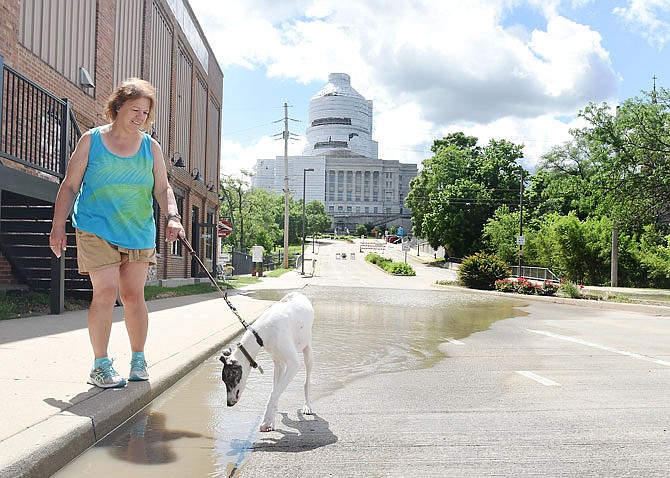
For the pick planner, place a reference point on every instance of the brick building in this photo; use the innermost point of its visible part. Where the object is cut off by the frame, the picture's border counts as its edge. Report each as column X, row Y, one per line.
column 59, row 62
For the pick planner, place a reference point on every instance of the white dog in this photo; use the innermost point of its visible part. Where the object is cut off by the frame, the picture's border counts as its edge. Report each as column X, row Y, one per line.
column 286, row 330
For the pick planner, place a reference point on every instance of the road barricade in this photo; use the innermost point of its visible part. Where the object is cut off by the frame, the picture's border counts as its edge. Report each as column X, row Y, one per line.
column 372, row 246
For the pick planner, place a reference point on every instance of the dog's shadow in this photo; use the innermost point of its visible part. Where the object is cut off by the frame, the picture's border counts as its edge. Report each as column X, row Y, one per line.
column 306, row 433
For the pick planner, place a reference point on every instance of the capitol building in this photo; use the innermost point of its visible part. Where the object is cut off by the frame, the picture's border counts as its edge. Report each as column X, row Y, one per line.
column 355, row 186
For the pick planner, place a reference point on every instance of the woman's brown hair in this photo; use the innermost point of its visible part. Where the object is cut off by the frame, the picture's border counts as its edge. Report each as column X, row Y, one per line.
column 130, row 89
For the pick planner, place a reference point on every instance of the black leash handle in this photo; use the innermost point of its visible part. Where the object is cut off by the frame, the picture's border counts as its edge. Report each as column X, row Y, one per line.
column 223, row 294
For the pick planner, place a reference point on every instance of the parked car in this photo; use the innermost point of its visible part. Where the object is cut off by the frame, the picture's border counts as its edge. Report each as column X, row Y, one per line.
column 393, row 239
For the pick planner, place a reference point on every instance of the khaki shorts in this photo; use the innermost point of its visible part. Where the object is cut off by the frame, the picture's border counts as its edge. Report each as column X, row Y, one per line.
column 95, row 253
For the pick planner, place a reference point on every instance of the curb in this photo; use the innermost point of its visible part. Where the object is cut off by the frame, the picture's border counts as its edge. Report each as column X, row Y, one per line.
column 659, row 310
column 43, row 449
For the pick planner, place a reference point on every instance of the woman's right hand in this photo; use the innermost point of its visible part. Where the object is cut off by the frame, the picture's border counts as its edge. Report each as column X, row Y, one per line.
column 58, row 241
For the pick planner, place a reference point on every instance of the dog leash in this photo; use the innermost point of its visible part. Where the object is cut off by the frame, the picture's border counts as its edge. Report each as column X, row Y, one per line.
column 246, row 326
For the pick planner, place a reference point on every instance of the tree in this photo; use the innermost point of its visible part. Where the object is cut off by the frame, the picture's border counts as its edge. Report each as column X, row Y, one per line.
column 361, row 230
column 232, row 194
column 500, row 233
column 564, row 181
column 459, row 188
column 316, row 218
column 574, row 249
column 633, row 158
column 263, row 227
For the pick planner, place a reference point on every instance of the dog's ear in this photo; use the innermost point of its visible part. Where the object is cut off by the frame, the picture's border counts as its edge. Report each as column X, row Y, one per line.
column 225, row 353
column 231, row 374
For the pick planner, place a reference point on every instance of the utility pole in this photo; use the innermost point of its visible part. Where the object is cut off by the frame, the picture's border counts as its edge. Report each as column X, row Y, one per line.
column 304, row 180
column 614, row 270
column 520, row 240
column 614, row 265
column 286, row 192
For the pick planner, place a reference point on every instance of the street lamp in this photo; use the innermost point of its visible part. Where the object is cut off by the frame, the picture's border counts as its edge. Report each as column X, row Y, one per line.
column 304, row 177
column 520, row 240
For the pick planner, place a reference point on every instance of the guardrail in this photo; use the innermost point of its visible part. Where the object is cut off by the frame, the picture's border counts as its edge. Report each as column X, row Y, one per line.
column 534, row 273
column 37, row 128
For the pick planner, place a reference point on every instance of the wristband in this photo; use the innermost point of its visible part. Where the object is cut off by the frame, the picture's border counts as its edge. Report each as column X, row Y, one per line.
column 173, row 215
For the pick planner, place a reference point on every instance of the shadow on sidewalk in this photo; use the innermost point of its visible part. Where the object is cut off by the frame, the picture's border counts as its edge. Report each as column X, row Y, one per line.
column 12, row 330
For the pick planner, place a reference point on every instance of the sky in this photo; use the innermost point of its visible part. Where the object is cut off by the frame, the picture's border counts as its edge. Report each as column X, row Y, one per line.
column 519, row 70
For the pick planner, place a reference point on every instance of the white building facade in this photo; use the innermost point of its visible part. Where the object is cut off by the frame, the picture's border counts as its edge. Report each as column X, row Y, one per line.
column 355, row 186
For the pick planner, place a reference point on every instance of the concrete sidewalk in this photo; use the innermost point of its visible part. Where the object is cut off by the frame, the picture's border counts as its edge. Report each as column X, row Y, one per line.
column 50, row 415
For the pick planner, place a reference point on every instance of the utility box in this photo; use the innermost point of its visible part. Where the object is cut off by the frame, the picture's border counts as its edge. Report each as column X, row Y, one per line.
column 257, row 260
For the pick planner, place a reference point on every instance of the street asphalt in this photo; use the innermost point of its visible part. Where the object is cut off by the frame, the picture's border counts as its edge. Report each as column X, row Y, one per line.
column 51, row 415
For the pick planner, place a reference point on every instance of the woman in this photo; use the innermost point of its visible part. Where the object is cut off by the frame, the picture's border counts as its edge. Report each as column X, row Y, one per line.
column 113, row 173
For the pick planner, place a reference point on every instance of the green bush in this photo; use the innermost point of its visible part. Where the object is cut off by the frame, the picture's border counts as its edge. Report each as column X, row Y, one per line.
column 396, row 268
column 570, row 289
column 400, row 269
column 377, row 260
column 481, row 270
column 7, row 310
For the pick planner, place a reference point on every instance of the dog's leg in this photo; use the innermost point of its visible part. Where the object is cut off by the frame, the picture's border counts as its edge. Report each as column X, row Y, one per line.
column 283, row 375
column 309, row 362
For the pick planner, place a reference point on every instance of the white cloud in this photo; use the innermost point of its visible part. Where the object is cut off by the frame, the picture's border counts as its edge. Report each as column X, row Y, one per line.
column 537, row 135
column 236, row 158
column 651, row 18
column 428, row 65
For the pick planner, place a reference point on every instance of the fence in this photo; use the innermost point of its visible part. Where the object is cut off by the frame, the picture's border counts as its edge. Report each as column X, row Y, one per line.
column 372, row 246
column 34, row 124
column 534, row 273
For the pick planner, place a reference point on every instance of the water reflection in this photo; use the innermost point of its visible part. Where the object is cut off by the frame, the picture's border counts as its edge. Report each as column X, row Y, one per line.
column 359, row 332
column 148, row 440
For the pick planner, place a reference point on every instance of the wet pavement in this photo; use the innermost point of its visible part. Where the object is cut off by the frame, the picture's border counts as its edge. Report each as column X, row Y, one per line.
column 358, row 334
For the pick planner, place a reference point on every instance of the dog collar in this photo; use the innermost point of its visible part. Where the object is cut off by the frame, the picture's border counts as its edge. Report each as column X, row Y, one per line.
column 252, row 362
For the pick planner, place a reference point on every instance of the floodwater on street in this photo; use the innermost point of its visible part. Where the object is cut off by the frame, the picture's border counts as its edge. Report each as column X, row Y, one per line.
column 189, row 430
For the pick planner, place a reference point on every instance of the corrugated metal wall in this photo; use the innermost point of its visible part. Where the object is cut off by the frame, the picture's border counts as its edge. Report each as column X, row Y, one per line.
column 160, row 73
column 61, row 33
column 200, row 126
column 213, row 142
column 128, row 40
column 183, row 107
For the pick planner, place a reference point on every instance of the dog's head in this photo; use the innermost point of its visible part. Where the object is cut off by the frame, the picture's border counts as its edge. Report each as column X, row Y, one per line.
column 234, row 375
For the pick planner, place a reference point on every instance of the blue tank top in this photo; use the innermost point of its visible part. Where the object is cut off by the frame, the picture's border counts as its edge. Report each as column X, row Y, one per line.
column 115, row 201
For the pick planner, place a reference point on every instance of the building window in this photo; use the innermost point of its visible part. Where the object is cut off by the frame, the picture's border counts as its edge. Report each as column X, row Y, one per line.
column 331, row 120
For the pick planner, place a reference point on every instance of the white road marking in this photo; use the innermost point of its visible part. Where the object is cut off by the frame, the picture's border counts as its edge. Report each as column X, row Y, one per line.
column 538, row 378
column 455, row 342
column 646, row 358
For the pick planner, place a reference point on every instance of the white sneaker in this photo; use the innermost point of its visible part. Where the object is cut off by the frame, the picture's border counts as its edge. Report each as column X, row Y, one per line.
column 104, row 376
column 138, row 370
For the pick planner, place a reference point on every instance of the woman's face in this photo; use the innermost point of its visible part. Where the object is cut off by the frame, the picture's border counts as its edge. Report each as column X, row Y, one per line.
column 133, row 113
